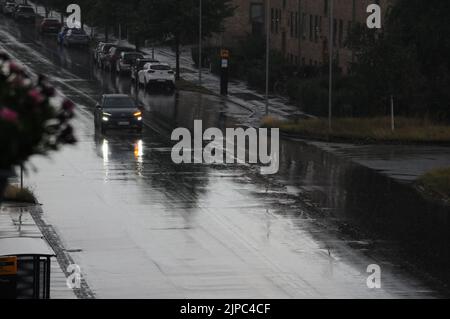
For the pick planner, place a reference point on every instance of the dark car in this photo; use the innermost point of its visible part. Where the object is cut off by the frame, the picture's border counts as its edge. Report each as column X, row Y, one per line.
column 76, row 36
column 138, row 64
column 110, row 61
column 126, row 60
column 25, row 13
column 118, row 111
column 8, row 8
column 49, row 25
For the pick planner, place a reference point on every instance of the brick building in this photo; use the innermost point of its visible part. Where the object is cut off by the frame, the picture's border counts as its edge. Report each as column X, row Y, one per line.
column 299, row 28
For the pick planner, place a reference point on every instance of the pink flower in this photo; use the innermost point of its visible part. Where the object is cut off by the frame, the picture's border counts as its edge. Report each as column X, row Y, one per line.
column 14, row 68
column 8, row 115
column 36, row 96
column 68, row 105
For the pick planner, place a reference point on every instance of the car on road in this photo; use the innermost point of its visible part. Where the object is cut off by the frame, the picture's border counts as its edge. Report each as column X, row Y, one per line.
column 101, row 48
column 25, row 13
column 118, row 111
column 155, row 75
column 76, row 36
column 126, row 60
column 7, row 7
column 50, row 25
column 113, row 56
column 138, row 65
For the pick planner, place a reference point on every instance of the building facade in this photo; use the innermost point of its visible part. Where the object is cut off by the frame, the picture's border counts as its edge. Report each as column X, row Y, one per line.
column 299, row 29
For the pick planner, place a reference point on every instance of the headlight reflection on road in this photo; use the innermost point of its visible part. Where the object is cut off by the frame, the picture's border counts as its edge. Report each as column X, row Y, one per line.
column 138, row 155
column 105, row 151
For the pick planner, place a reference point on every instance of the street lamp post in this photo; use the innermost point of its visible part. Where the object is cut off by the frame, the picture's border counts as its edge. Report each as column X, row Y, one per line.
column 200, row 44
column 268, row 22
column 330, row 92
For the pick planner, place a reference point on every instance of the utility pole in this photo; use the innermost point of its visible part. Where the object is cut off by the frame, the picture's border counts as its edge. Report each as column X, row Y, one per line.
column 330, row 84
column 268, row 23
column 200, row 44
column 392, row 114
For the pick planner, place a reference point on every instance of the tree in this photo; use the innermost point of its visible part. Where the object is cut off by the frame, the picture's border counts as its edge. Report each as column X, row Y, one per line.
column 409, row 58
column 178, row 21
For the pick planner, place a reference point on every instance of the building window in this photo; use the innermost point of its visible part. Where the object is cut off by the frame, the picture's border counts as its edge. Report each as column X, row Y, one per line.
column 334, row 32
column 304, row 17
column 311, row 27
column 292, row 24
column 272, row 20
column 325, row 7
column 316, row 28
column 296, row 25
column 257, row 17
column 341, row 32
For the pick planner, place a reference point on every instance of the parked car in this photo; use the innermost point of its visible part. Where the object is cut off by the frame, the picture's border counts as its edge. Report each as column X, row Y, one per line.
column 96, row 51
column 3, row 4
column 25, row 13
column 118, row 111
column 138, row 65
column 76, row 37
column 126, row 60
column 62, row 34
column 156, row 74
column 50, row 25
column 102, row 54
column 113, row 56
column 9, row 8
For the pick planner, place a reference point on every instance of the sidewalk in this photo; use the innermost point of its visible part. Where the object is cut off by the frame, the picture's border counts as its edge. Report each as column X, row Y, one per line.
column 238, row 91
column 16, row 221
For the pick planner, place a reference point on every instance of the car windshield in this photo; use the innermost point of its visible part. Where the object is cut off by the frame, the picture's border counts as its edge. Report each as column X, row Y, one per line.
column 119, row 102
column 132, row 56
column 106, row 48
column 26, row 9
column 78, row 31
column 160, row 67
column 142, row 63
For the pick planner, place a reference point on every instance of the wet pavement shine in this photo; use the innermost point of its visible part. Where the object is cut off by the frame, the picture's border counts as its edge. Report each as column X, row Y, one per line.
column 140, row 226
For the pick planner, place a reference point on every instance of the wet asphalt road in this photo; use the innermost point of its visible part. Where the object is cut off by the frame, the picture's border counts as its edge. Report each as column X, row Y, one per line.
column 140, row 226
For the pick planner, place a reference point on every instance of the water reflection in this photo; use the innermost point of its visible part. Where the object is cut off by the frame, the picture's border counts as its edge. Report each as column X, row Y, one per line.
column 120, row 148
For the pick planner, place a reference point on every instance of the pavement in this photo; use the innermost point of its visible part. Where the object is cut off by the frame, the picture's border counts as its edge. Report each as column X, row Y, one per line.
column 16, row 221
column 141, row 226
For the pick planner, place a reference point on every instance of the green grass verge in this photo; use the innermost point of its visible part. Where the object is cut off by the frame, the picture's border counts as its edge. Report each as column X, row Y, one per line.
column 437, row 182
column 366, row 129
column 184, row 85
column 15, row 194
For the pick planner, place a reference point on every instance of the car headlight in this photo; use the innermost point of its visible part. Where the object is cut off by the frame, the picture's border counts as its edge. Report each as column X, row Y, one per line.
column 138, row 114
column 105, row 119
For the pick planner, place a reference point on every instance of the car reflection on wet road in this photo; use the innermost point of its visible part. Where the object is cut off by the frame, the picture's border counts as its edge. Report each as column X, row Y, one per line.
column 144, row 227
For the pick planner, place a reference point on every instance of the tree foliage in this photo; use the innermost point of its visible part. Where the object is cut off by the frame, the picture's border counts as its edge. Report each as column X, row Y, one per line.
column 408, row 59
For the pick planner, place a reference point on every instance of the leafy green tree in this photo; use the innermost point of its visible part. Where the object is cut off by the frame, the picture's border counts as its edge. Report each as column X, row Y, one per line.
column 178, row 21
column 408, row 58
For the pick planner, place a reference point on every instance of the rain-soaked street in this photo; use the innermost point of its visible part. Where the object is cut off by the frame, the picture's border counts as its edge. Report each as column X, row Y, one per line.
column 140, row 226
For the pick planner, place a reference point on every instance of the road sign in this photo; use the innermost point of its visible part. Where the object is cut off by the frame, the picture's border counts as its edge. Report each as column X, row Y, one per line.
column 224, row 54
column 8, row 266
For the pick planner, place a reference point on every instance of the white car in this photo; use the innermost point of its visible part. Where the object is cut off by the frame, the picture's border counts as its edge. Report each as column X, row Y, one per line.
column 156, row 74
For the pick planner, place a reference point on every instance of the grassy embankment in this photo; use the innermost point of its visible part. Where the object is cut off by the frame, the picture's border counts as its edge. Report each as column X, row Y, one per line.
column 375, row 130
column 437, row 183
column 184, row 85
